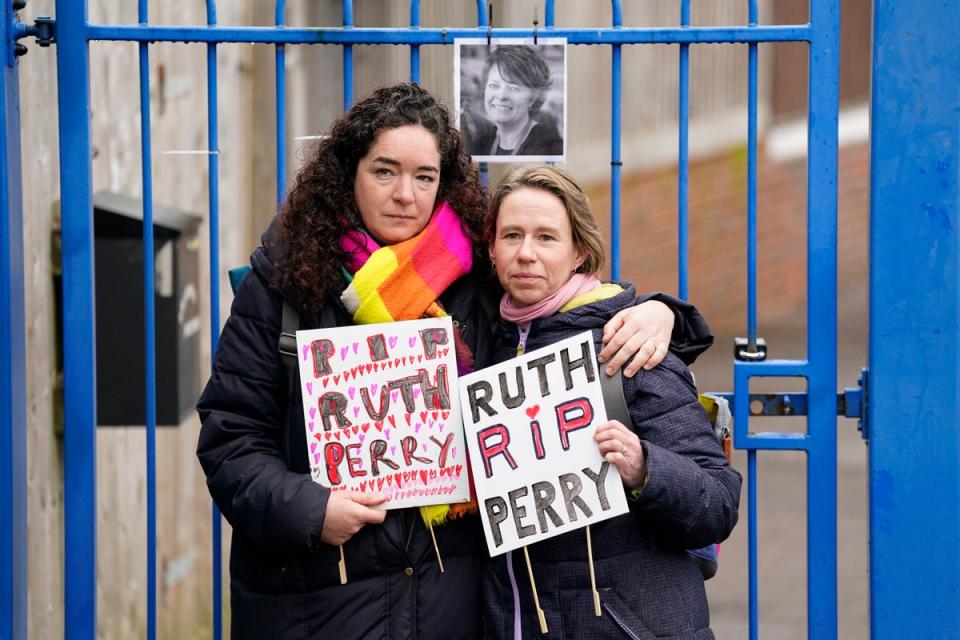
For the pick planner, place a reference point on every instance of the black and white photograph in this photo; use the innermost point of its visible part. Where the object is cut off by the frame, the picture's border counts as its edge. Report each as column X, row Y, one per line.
column 511, row 98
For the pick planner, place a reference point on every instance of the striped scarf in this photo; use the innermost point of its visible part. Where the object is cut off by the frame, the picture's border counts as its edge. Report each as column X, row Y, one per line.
column 402, row 282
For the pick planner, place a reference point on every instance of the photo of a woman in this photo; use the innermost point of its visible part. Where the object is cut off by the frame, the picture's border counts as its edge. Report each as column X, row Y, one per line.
column 511, row 100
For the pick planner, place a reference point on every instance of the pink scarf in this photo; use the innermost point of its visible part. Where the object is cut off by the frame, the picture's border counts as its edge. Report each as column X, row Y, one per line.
column 578, row 284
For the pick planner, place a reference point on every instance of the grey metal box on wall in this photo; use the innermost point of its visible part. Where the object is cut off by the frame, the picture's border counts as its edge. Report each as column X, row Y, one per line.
column 119, row 268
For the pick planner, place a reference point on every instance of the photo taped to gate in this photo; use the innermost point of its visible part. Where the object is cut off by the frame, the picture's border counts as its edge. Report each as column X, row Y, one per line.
column 511, row 98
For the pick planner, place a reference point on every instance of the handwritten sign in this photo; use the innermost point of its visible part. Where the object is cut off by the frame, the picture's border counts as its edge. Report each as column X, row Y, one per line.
column 529, row 425
column 381, row 411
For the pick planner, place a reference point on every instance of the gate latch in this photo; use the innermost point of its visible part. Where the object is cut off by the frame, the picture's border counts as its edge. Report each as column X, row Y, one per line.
column 852, row 403
column 43, row 29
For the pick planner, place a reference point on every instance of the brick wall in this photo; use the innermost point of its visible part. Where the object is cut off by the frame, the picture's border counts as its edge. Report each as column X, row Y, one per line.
column 717, row 233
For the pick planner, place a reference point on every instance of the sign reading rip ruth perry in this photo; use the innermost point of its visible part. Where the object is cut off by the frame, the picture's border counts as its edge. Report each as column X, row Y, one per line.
column 381, row 411
column 529, row 424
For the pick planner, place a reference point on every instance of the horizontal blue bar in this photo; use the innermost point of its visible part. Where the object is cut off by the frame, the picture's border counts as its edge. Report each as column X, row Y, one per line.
column 421, row 36
column 779, row 441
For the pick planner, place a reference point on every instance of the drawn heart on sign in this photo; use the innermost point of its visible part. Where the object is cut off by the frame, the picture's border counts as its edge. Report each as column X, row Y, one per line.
column 310, row 424
column 393, row 420
column 392, row 341
column 532, row 411
column 361, row 436
column 373, row 389
column 306, row 350
column 352, row 391
column 309, row 388
column 416, row 392
column 386, row 432
column 412, row 340
column 313, row 412
column 393, row 449
column 343, row 353
column 394, row 396
column 356, row 345
column 313, row 447
column 356, row 411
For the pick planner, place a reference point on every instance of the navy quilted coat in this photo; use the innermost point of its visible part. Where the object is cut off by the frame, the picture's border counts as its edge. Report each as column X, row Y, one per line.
column 649, row 586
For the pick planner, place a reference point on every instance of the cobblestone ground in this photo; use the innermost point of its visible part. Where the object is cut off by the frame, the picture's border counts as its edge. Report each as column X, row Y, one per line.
column 782, row 500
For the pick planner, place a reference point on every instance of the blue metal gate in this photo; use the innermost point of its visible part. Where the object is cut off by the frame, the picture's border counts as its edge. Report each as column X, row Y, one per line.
column 74, row 34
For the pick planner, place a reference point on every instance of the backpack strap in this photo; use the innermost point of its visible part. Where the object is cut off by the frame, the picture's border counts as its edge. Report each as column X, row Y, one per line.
column 613, row 398
column 287, row 343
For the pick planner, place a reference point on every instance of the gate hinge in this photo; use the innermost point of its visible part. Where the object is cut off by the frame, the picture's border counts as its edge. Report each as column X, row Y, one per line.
column 43, row 29
column 852, row 403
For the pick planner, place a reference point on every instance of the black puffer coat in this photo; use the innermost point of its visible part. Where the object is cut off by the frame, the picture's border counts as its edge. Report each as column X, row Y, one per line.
column 284, row 580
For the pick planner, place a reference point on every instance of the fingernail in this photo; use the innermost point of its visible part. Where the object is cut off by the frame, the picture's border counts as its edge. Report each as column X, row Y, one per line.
column 609, row 371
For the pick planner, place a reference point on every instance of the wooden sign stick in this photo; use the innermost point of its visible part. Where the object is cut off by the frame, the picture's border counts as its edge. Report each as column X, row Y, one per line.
column 342, row 565
column 536, row 599
column 593, row 575
column 435, row 547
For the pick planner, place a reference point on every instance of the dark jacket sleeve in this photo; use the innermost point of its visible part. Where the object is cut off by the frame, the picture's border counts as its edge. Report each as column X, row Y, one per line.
column 691, row 333
column 244, row 411
column 691, row 495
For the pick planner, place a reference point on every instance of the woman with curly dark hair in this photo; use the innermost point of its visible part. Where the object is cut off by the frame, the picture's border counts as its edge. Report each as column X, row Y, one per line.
column 391, row 184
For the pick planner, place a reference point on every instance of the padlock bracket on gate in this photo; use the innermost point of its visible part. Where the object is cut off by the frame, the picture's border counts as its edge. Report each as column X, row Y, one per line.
column 746, row 352
column 43, row 29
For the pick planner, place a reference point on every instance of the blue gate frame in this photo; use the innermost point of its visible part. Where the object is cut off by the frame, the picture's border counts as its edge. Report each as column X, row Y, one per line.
column 914, row 352
column 74, row 34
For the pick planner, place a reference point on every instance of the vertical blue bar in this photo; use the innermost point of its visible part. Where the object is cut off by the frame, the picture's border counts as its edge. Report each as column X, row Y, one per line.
column 824, row 88
column 415, row 48
column 149, row 330
column 752, row 567
column 549, row 12
column 79, row 329
column 914, row 341
column 682, row 155
column 213, row 205
column 13, row 368
column 752, row 186
column 616, row 163
column 347, row 58
column 752, row 583
column 483, row 20
column 281, row 97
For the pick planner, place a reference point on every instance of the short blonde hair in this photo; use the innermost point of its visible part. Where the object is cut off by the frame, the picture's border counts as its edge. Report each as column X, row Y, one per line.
column 586, row 235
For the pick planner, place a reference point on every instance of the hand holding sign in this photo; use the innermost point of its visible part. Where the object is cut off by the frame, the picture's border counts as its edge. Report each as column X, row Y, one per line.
column 348, row 512
column 621, row 447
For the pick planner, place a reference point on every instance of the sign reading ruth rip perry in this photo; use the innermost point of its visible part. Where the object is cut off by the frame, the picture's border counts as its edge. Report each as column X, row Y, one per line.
column 529, row 424
column 381, row 411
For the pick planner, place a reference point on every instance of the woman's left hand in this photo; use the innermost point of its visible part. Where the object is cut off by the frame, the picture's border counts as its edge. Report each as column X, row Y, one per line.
column 621, row 447
column 641, row 332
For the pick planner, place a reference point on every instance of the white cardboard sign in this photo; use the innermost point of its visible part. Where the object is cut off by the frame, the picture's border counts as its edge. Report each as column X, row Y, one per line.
column 529, row 424
column 382, row 413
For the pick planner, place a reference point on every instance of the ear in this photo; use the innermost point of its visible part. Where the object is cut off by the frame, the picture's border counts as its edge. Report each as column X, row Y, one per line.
column 490, row 252
column 580, row 259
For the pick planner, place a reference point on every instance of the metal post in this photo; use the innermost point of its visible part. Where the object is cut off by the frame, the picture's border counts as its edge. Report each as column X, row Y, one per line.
column 79, row 327
column 914, row 342
column 13, row 370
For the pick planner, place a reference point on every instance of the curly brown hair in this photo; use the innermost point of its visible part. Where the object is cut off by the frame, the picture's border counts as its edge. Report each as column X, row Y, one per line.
column 322, row 206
